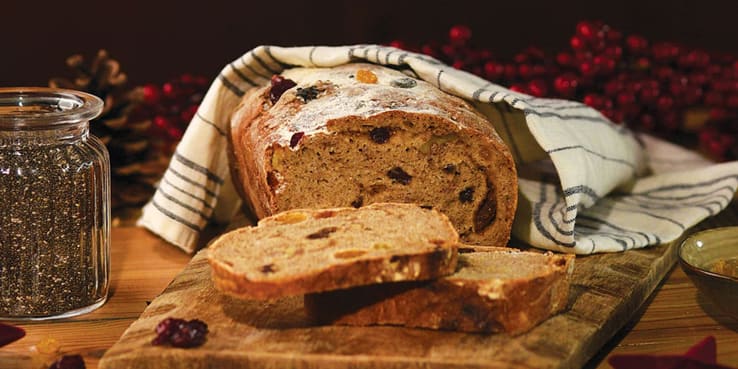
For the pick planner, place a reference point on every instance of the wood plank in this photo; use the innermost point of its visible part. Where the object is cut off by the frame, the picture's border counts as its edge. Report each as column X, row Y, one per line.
column 607, row 290
column 141, row 267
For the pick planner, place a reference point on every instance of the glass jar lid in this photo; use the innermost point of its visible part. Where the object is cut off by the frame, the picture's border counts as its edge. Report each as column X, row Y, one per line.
column 29, row 108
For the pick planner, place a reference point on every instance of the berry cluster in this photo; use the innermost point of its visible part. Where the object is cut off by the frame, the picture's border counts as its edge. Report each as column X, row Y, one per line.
column 681, row 93
column 171, row 106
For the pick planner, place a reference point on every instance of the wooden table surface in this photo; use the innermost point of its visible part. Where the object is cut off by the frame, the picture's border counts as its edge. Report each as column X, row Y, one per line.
column 675, row 317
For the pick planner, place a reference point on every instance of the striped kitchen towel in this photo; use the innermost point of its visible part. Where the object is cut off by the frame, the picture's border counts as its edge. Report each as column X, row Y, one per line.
column 586, row 185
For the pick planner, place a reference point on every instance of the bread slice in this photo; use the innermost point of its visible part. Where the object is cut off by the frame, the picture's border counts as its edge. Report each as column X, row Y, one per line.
column 303, row 251
column 493, row 290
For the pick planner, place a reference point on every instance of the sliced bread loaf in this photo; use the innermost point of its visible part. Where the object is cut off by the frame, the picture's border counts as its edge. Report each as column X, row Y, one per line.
column 303, row 251
column 493, row 290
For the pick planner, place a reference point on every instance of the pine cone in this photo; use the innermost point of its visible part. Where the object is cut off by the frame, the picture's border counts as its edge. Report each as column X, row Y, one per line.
column 135, row 165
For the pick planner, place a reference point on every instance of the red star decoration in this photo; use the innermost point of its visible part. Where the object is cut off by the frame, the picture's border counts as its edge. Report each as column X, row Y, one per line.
column 703, row 355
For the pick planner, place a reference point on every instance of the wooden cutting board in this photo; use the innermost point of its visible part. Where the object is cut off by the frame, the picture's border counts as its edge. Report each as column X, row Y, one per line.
column 607, row 290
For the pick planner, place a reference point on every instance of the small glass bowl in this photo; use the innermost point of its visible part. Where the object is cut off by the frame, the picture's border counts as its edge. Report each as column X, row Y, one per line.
column 701, row 253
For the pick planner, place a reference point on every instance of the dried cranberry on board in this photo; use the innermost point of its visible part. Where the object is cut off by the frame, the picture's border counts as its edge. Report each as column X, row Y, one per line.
column 279, row 85
column 180, row 333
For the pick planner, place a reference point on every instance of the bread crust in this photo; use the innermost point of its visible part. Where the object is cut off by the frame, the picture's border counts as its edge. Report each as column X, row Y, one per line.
column 260, row 128
column 511, row 305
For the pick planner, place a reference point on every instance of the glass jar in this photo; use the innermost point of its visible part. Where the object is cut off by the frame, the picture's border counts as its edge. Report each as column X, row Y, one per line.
column 55, row 205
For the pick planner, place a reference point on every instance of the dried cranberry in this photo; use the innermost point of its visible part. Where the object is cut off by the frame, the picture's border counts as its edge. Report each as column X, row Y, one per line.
column 268, row 268
column 10, row 333
column 323, row 233
column 380, row 134
column 279, row 86
column 487, row 211
column 450, row 169
column 180, row 333
column 295, row 139
column 69, row 362
column 467, row 194
column 399, row 175
column 308, row 93
column 191, row 334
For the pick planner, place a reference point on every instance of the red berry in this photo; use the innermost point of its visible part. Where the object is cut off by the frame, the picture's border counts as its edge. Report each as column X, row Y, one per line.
column 168, row 89
column 162, row 122
column 187, row 114
column 642, row 63
column 647, row 122
column 540, row 70
column 604, row 64
column 593, row 100
column 586, row 30
column 518, row 87
column 613, row 87
column 665, row 103
column 577, row 43
column 493, row 70
column 458, row 64
column 693, row 94
column 665, row 52
column 399, row 44
column 535, row 53
column 525, row 71
column 613, row 36
column 538, row 88
column 649, row 95
column 663, row 72
column 459, row 34
column 588, row 68
column 151, row 94
column 510, row 72
column 565, row 59
column 636, row 44
column 732, row 101
column 670, row 121
column 615, row 116
column 430, row 50
column 718, row 114
column 713, row 98
column 566, row 84
column 614, row 51
column 625, row 99
column 521, row 58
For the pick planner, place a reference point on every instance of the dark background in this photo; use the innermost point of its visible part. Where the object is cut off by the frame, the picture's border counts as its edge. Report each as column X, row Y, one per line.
column 155, row 40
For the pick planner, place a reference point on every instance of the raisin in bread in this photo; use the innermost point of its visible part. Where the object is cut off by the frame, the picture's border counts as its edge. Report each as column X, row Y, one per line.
column 359, row 134
column 302, row 251
column 495, row 290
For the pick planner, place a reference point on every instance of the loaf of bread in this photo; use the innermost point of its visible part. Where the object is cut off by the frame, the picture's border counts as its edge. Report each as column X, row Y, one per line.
column 303, row 251
column 359, row 134
column 494, row 290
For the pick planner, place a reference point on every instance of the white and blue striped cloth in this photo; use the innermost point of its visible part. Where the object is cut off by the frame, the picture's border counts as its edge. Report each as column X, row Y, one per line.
column 586, row 185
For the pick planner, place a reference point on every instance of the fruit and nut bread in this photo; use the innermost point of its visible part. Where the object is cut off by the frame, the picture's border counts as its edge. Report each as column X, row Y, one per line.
column 493, row 290
column 305, row 251
column 359, row 134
